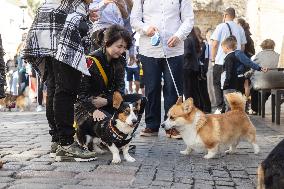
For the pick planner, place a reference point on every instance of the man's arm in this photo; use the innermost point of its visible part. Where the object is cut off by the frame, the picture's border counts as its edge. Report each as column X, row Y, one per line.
column 187, row 18
column 136, row 18
column 214, row 50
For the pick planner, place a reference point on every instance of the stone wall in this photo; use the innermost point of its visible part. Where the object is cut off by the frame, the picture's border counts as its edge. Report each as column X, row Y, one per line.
column 264, row 16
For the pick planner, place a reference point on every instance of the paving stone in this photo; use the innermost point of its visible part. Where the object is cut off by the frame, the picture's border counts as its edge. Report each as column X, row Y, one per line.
column 4, row 173
column 181, row 186
column 161, row 183
column 34, row 186
column 58, row 181
column 25, row 144
column 3, row 185
column 48, row 174
column 6, row 180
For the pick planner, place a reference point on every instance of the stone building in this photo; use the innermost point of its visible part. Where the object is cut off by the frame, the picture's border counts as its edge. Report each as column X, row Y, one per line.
column 264, row 16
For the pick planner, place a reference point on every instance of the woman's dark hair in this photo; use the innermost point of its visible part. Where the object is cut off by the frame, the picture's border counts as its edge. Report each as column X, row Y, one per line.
column 196, row 34
column 110, row 35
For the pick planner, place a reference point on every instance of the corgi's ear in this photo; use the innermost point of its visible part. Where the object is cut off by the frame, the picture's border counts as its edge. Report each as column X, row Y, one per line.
column 188, row 105
column 116, row 99
column 179, row 100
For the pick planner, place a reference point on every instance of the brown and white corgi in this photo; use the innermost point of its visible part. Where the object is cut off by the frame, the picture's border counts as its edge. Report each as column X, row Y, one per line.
column 210, row 131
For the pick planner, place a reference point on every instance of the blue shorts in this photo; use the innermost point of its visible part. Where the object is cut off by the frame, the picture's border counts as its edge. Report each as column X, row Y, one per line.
column 130, row 72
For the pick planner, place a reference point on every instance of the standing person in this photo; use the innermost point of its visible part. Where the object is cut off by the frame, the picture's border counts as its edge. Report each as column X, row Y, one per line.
column 173, row 22
column 210, row 87
column 222, row 31
column 234, row 65
column 54, row 34
column 2, row 71
column 192, row 51
column 249, row 51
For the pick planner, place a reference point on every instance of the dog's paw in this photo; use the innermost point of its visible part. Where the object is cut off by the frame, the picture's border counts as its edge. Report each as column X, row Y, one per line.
column 208, row 156
column 185, row 152
column 130, row 159
column 116, row 160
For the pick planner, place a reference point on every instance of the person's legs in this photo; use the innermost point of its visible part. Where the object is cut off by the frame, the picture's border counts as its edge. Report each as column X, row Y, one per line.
column 169, row 90
column 50, row 84
column 204, row 96
column 152, row 79
column 67, row 81
column 129, row 78
column 136, row 79
column 217, row 71
column 190, row 86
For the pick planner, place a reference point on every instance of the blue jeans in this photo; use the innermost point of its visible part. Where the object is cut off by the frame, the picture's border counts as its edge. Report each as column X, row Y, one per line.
column 154, row 69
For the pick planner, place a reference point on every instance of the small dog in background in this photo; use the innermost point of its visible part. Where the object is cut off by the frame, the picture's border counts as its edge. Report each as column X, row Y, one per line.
column 209, row 131
column 271, row 171
column 7, row 103
column 114, row 131
column 23, row 101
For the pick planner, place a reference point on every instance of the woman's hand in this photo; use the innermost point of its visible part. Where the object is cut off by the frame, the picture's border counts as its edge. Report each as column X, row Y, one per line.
column 99, row 102
column 98, row 115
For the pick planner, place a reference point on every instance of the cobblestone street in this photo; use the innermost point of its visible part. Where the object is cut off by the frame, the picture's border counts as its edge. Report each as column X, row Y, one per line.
column 25, row 144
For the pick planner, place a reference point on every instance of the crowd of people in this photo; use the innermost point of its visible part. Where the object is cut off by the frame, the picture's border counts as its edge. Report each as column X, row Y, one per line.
column 83, row 51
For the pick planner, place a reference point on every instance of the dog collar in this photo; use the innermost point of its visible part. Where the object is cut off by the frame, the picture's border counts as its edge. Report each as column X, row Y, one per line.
column 116, row 133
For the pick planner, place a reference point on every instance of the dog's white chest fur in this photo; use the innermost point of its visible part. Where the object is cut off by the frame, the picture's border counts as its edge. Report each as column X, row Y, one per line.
column 190, row 136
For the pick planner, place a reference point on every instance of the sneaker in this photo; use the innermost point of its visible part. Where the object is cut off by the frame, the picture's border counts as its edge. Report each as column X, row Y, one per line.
column 74, row 152
column 148, row 132
column 173, row 133
column 53, row 149
column 39, row 108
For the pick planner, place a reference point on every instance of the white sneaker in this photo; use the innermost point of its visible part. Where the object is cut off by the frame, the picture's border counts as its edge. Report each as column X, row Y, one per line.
column 39, row 108
column 218, row 111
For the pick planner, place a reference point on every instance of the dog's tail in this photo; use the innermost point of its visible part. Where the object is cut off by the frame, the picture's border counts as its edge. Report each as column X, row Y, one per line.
column 236, row 101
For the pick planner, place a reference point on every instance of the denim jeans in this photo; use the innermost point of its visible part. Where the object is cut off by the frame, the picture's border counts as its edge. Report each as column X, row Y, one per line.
column 62, row 87
column 154, row 69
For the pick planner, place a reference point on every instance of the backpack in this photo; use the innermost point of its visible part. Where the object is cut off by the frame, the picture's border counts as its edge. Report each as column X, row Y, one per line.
column 142, row 3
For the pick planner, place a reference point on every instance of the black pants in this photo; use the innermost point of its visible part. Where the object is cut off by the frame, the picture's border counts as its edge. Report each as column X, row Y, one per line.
column 217, row 71
column 205, row 102
column 254, row 99
column 62, row 86
column 190, row 86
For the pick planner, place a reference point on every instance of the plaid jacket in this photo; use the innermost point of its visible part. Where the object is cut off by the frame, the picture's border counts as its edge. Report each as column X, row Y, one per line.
column 55, row 33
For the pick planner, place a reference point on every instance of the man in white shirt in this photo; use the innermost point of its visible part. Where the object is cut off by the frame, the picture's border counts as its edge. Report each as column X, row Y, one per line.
column 173, row 20
column 222, row 31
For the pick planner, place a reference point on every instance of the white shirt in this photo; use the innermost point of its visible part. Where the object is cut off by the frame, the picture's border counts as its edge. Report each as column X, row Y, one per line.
column 222, row 32
column 165, row 15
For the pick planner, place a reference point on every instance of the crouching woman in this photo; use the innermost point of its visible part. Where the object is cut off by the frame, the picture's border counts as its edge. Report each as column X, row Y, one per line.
column 95, row 99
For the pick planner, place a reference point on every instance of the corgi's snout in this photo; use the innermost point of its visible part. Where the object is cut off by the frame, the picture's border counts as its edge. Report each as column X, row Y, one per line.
column 163, row 125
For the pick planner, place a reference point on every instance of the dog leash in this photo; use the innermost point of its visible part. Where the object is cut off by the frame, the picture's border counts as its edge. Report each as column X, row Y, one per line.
column 173, row 79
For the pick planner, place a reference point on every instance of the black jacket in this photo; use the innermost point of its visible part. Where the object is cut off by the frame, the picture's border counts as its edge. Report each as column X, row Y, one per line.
column 230, row 66
column 191, row 57
column 93, row 86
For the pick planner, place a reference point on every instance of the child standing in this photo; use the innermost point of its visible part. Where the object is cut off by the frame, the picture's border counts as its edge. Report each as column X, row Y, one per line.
column 234, row 63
